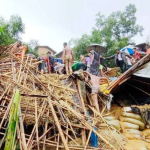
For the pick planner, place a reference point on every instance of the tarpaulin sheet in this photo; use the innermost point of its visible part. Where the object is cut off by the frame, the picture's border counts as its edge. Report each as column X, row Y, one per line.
column 145, row 72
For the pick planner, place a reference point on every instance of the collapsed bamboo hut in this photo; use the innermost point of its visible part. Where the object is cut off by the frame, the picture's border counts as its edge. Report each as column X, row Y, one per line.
column 56, row 111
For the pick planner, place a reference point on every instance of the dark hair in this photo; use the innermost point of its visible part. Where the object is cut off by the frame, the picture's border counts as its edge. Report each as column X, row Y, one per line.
column 65, row 43
column 48, row 52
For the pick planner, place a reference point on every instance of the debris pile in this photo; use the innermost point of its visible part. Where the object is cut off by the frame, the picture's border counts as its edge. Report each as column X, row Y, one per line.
column 50, row 112
column 56, row 111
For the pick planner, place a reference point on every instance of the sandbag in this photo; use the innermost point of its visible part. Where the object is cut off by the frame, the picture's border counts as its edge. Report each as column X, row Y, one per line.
column 111, row 136
column 146, row 135
column 147, row 145
column 127, row 125
column 146, row 132
column 115, row 124
column 135, row 145
column 131, row 115
column 126, row 109
column 133, row 121
column 109, row 118
column 131, row 136
column 132, row 131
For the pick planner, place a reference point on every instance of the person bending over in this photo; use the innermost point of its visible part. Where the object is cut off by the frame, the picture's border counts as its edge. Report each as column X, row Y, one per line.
column 95, row 81
column 58, row 67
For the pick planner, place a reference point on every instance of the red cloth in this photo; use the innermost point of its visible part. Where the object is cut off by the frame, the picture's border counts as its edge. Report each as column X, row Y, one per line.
column 47, row 61
column 137, row 55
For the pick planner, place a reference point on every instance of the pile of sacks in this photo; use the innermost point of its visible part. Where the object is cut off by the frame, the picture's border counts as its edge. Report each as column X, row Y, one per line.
column 112, row 134
column 128, row 130
column 131, row 124
column 133, row 128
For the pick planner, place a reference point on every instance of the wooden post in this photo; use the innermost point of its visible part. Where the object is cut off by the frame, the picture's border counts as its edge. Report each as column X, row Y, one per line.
column 58, row 125
column 81, row 97
column 24, row 144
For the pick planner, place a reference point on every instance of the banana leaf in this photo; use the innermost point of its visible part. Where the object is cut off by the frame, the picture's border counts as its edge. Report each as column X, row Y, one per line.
column 13, row 122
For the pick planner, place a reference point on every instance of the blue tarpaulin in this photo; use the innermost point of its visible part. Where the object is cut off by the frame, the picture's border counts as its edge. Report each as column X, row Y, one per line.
column 94, row 139
column 58, row 60
column 128, row 49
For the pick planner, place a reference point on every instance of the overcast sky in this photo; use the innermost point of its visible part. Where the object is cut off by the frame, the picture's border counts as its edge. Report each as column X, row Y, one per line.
column 53, row 22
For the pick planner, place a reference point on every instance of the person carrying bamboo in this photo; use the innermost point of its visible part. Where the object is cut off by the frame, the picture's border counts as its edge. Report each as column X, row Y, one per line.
column 16, row 47
column 68, row 58
column 19, row 50
column 95, row 82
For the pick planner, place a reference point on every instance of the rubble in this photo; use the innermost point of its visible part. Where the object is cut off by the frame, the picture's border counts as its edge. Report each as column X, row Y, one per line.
column 56, row 111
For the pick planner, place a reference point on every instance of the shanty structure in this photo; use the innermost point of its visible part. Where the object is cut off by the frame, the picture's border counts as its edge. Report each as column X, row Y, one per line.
column 56, row 112
column 42, row 50
column 141, row 47
column 59, row 55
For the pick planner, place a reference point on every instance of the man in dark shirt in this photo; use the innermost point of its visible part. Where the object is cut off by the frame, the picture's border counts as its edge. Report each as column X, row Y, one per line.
column 94, row 67
column 50, row 62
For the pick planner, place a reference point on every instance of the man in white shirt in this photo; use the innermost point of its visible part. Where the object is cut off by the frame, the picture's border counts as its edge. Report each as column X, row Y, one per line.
column 119, row 57
column 119, row 60
column 129, row 61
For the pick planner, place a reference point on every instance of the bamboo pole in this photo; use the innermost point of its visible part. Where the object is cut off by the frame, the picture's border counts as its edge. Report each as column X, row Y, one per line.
column 87, row 125
column 93, row 124
column 58, row 125
column 67, row 133
column 6, row 112
column 58, row 143
column 36, row 124
column 5, row 91
column 33, row 131
column 81, row 98
column 24, row 144
column 46, row 125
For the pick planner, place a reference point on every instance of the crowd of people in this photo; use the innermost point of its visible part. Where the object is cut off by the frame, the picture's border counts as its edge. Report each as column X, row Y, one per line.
column 125, row 61
column 94, row 63
column 49, row 65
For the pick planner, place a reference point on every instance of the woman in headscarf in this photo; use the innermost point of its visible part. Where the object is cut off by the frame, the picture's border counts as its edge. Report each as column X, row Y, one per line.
column 94, row 67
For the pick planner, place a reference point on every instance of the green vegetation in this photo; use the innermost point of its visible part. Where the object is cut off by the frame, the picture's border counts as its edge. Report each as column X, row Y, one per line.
column 11, row 30
column 32, row 47
column 116, row 30
column 13, row 122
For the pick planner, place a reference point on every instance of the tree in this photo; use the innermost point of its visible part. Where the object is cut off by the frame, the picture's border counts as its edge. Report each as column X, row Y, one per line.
column 10, row 30
column 32, row 47
column 80, row 45
column 119, row 25
column 116, row 30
